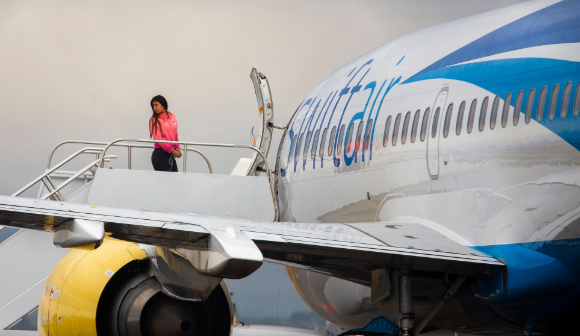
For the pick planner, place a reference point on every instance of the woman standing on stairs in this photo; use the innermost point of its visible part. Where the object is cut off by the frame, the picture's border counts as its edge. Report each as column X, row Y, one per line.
column 163, row 126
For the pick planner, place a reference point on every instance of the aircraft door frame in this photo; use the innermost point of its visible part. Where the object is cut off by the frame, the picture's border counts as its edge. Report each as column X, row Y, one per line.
column 432, row 143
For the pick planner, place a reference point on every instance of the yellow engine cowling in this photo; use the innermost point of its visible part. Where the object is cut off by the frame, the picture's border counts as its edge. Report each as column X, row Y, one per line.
column 98, row 292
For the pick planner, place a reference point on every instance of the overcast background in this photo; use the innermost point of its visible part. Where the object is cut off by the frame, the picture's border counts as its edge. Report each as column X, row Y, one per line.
column 88, row 69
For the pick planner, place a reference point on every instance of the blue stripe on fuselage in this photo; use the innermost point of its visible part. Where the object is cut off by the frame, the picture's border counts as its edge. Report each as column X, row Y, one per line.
column 536, row 272
column 554, row 24
column 513, row 75
column 542, row 279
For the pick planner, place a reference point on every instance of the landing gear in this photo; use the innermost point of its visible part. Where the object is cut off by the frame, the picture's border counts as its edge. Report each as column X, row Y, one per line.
column 406, row 304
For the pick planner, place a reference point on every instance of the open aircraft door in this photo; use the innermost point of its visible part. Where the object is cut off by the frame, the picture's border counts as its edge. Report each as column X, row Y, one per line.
column 262, row 141
column 433, row 133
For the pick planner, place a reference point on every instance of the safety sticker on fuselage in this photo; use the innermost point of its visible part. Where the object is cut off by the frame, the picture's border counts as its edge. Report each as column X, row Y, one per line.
column 57, row 294
column 46, row 290
column 52, row 292
column 109, row 273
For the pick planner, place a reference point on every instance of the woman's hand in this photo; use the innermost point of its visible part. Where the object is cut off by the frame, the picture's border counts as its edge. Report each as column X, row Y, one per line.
column 176, row 153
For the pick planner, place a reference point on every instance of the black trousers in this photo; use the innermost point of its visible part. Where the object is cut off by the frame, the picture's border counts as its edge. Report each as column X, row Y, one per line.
column 163, row 161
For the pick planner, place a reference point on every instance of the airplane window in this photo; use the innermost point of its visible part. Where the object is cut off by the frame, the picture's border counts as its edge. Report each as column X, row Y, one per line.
column 483, row 113
column 541, row 103
column 349, row 138
column 332, row 141
column 386, row 133
column 447, row 120
column 306, row 145
column 368, row 134
column 415, row 126
column 435, row 122
column 530, row 105
column 460, row 118
column 554, row 101
column 298, row 147
column 506, row 109
column 566, row 100
column 358, row 135
column 323, row 142
column 314, row 144
column 425, row 124
column 396, row 129
column 518, row 107
column 471, row 116
column 405, row 127
column 340, row 141
column 292, row 147
column 494, row 108
column 577, row 100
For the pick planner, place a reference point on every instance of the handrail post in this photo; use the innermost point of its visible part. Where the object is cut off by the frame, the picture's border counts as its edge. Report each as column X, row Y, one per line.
column 184, row 157
column 129, row 157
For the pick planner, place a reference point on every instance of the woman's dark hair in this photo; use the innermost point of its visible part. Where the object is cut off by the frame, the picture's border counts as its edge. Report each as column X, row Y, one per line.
column 154, row 121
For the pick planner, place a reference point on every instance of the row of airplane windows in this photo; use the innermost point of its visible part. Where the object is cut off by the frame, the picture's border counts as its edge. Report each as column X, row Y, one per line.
column 447, row 121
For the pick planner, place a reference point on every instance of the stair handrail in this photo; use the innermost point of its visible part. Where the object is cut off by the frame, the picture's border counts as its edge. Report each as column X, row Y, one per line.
column 129, row 148
column 88, row 150
column 205, row 144
column 77, row 174
column 73, row 142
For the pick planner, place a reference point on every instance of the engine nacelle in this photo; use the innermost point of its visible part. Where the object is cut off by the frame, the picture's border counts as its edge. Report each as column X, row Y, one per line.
column 343, row 303
column 111, row 291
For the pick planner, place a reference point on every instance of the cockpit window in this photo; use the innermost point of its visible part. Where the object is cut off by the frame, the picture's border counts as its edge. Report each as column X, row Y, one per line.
column 425, row 124
column 396, row 129
column 459, row 124
column 332, row 141
column 405, row 127
column 447, row 123
column 483, row 114
column 541, row 104
column 518, row 107
column 415, row 126
column 340, row 142
column 471, row 117
column 566, row 100
column 506, row 109
column 386, row 133
column 323, row 142
column 530, row 105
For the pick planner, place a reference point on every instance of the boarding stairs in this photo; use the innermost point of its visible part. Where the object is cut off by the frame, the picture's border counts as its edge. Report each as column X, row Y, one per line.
column 248, row 192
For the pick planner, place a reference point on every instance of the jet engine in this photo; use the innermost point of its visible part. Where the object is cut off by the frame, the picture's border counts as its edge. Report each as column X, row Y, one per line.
column 112, row 291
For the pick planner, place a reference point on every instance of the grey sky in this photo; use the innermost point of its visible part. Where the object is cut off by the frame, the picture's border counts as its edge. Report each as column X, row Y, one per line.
column 87, row 69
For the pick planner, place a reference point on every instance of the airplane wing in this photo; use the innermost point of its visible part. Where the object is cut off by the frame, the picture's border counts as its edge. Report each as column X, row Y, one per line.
column 347, row 250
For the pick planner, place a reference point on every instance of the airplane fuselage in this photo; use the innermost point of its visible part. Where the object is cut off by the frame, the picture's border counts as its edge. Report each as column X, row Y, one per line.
column 470, row 128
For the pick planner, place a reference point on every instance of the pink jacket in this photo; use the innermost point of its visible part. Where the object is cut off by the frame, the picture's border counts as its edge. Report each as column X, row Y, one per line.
column 167, row 130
